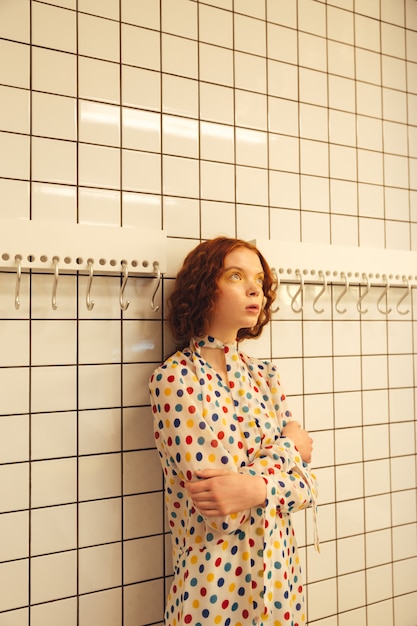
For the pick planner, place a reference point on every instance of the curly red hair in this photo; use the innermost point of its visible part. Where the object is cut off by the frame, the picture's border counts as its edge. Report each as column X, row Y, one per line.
column 195, row 292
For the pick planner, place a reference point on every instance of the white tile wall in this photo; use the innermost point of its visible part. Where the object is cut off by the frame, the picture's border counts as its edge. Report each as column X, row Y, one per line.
column 278, row 119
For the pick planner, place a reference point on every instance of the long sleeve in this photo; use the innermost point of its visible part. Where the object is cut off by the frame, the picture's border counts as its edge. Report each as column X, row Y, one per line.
column 282, row 467
column 186, row 439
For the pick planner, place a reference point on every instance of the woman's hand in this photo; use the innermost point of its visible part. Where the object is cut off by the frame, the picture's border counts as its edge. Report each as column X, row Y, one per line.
column 221, row 492
column 301, row 439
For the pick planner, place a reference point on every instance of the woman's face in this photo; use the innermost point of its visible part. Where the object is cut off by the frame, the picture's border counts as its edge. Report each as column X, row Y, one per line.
column 240, row 295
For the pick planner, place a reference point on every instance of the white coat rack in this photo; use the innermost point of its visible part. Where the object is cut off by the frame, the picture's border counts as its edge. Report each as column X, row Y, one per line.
column 62, row 247
column 306, row 263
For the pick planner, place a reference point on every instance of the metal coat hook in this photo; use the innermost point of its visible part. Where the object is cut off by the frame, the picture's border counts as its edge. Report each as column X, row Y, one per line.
column 278, row 279
column 158, row 282
column 124, row 303
column 321, row 292
column 360, row 300
column 18, row 258
column 342, row 295
column 406, row 280
column 55, row 285
column 299, row 292
column 89, row 302
column 383, row 295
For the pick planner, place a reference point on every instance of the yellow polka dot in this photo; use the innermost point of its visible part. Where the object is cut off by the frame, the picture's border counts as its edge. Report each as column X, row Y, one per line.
column 196, row 604
column 218, row 619
column 188, row 456
column 210, row 577
column 193, row 560
column 245, row 556
column 168, row 391
column 211, row 458
column 278, row 584
column 225, row 545
column 190, row 423
column 232, row 587
column 260, row 532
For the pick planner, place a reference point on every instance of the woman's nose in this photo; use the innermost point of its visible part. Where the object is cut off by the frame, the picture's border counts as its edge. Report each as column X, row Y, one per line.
column 254, row 289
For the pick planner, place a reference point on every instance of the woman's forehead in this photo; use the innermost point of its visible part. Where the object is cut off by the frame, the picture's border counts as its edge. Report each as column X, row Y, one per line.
column 243, row 258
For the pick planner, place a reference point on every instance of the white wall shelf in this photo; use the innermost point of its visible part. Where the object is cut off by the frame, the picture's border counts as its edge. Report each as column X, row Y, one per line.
column 39, row 245
column 292, row 259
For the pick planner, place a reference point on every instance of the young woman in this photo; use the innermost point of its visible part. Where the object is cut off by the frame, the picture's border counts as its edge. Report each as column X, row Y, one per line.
column 235, row 466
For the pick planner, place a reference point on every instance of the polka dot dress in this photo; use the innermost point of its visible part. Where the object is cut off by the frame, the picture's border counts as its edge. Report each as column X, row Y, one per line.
column 243, row 568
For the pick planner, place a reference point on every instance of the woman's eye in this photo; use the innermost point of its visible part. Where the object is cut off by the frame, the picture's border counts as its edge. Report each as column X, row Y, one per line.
column 235, row 276
column 260, row 281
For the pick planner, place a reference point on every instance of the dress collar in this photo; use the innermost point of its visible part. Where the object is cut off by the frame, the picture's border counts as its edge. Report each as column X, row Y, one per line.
column 208, row 341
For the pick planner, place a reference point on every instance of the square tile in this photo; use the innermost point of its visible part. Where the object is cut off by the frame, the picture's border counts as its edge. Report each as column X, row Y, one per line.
column 350, row 554
column 141, row 472
column 54, row 161
column 351, row 591
column 98, row 80
column 14, row 114
column 53, row 576
column 143, row 515
column 99, row 431
column 98, row 37
column 103, row 607
column 14, row 583
column 53, row 435
column 215, row 26
column 146, row 599
column 15, row 74
column 99, row 476
column 100, row 567
column 14, row 438
column 62, row 36
column 142, row 559
column 14, row 155
column 53, row 482
column 62, row 380
column 141, row 88
column 53, row 529
column 14, row 526
column 63, row 612
column 179, row 56
column 140, row 47
column 99, row 521
column 15, row 23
